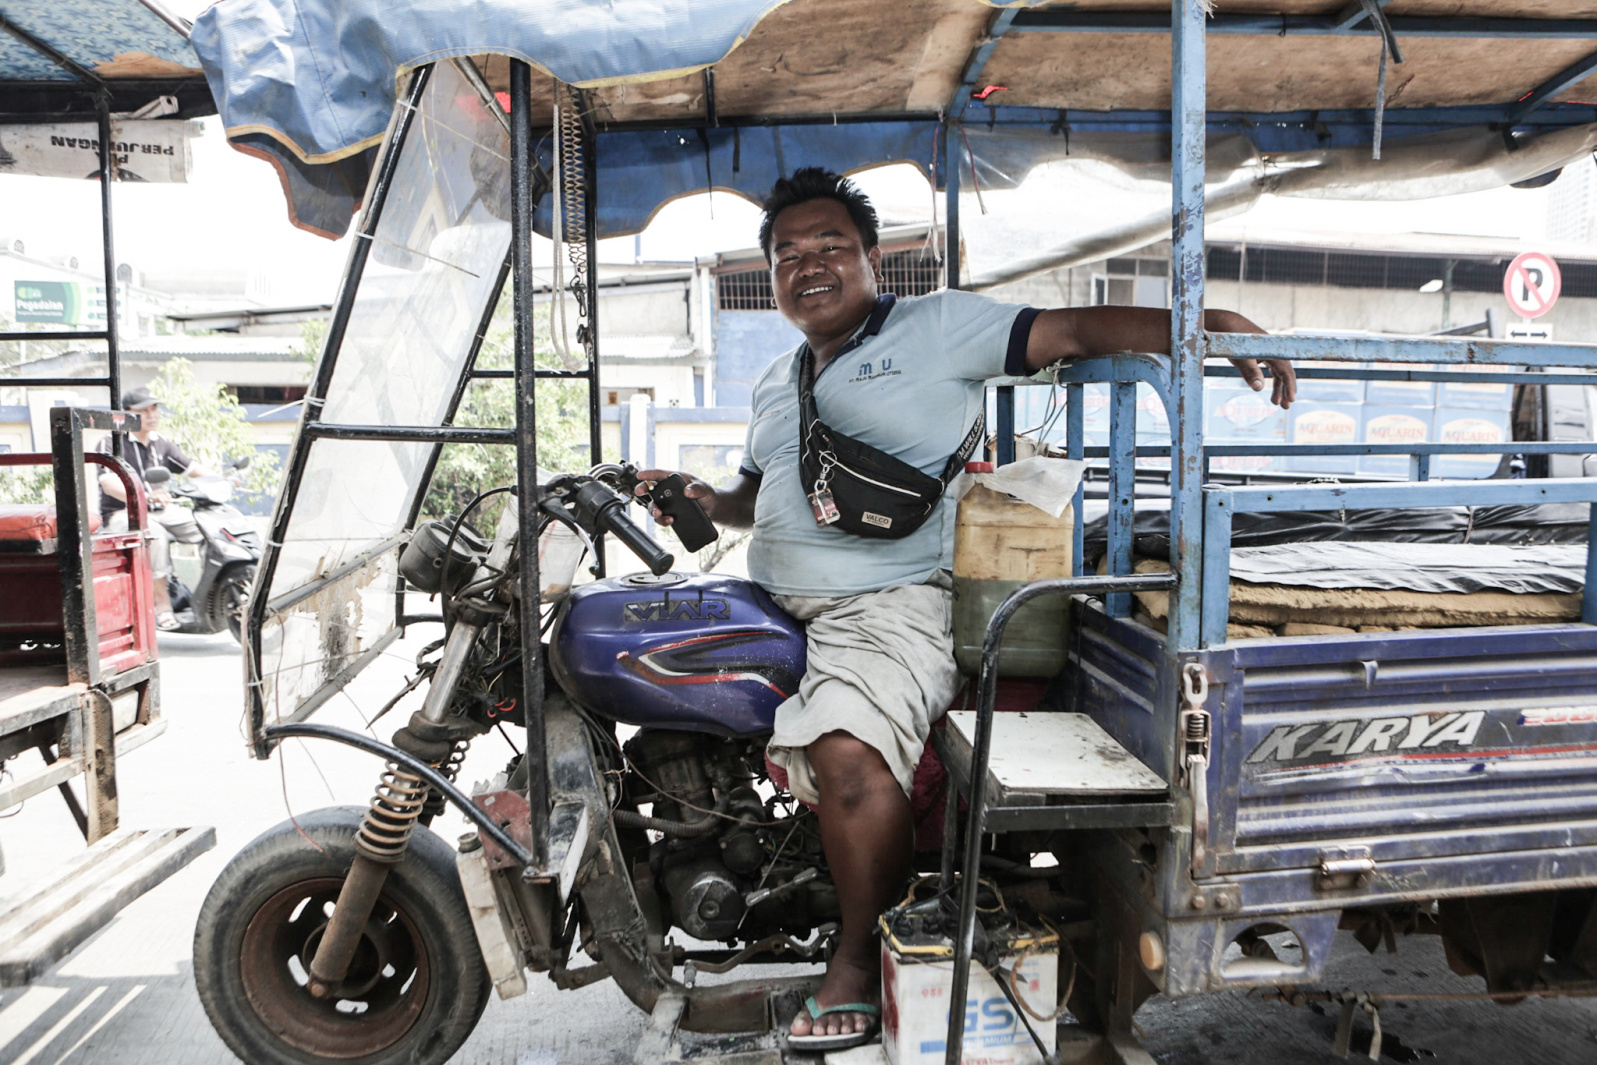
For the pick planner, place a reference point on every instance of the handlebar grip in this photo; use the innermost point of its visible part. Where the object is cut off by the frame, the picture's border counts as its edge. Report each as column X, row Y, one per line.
column 612, row 518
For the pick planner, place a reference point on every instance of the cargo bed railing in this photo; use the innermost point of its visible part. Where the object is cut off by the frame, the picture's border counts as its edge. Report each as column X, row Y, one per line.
column 1220, row 504
column 1124, row 372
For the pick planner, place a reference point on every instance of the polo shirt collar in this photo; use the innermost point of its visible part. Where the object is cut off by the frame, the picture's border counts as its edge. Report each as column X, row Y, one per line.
column 872, row 326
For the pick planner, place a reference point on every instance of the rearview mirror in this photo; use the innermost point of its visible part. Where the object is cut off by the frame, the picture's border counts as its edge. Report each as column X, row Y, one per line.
column 157, row 475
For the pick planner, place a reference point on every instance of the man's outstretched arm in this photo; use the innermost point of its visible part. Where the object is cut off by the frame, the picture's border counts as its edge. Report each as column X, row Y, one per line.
column 1084, row 332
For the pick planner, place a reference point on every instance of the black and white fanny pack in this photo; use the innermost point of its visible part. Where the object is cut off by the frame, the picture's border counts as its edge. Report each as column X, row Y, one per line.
column 859, row 488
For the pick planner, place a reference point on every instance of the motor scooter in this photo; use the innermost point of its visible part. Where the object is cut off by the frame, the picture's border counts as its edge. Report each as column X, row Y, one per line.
column 213, row 568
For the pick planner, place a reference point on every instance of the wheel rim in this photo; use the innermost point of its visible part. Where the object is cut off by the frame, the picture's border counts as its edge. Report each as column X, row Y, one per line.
column 235, row 600
column 377, row 1003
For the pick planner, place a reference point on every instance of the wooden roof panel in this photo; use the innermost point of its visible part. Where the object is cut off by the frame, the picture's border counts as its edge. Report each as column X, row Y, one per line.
column 1131, row 71
column 892, row 56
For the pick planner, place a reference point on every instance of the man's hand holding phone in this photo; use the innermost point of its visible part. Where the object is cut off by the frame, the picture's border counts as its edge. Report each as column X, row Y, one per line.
column 682, row 503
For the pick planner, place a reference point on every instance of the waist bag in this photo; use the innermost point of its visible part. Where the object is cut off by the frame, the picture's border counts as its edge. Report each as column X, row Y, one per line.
column 859, row 488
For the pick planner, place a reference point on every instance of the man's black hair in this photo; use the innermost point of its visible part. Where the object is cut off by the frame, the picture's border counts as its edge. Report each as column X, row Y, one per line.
column 817, row 183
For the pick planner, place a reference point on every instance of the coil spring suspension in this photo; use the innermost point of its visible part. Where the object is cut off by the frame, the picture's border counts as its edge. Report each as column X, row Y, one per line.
column 450, row 768
column 397, row 803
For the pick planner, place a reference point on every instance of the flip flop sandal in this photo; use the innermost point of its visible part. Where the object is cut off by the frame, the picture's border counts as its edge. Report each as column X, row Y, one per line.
column 167, row 621
column 842, row 1041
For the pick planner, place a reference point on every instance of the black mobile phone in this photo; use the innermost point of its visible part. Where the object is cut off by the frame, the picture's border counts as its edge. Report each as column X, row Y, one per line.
column 688, row 520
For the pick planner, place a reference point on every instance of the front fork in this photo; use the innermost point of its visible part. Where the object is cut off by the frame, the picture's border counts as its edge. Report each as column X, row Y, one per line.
column 397, row 805
column 433, row 735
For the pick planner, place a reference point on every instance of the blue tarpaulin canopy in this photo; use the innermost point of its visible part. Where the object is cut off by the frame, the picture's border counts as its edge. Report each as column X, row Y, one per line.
column 690, row 94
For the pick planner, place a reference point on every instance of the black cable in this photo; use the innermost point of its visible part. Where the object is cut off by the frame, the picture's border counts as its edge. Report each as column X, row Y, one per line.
column 454, row 532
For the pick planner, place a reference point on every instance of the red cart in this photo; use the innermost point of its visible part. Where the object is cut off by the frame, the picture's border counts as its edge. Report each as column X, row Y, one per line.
column 78, row 701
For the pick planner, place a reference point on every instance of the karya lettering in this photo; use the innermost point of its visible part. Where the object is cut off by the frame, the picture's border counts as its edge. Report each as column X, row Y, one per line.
column 1346, row 739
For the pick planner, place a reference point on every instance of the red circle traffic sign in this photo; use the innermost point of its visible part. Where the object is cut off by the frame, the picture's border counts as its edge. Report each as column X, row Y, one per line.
column 1531, row 284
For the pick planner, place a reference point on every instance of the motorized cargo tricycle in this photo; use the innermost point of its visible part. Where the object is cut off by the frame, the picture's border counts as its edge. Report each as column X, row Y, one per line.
column 1434, row 780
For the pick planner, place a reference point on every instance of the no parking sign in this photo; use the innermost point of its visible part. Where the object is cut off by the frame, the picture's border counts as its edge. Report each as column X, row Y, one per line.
column 1531, row 284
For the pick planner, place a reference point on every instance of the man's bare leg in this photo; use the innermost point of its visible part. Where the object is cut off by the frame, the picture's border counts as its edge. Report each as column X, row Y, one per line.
column 869, row 835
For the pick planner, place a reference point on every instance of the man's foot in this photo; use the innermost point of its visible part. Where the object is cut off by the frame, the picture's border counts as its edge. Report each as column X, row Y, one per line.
column 844, row 983
column 167, row 621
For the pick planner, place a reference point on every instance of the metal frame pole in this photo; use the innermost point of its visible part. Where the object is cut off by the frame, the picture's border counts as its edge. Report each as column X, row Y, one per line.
column 387, row 164
column 951, row 209
column 590, row 207
column 108, row 171
column 77, row 549
column 522, row 147
column 1188, row 115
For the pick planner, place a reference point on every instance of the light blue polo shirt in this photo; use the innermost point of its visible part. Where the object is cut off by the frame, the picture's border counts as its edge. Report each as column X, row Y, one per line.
column 909, row 383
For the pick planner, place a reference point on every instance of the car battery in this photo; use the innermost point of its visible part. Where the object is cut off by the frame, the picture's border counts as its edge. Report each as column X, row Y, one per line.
column 917, row 976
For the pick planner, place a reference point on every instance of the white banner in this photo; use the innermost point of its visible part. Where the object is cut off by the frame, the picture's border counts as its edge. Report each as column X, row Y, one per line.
column 145, row 149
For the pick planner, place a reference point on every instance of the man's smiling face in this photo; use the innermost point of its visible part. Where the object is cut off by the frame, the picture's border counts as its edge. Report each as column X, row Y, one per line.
column 824, row 278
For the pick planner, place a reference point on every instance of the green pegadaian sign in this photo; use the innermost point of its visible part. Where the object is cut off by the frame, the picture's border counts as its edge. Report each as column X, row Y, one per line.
column 49, row 301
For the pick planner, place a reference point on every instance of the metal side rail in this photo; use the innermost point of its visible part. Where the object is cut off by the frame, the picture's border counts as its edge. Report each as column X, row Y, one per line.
column 46, row 926
column 980, row 757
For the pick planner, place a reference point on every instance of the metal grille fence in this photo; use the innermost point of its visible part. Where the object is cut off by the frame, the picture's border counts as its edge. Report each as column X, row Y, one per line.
column 1293, row 266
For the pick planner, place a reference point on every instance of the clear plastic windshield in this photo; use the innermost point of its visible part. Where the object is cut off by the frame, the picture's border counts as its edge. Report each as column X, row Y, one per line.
column 433, row 266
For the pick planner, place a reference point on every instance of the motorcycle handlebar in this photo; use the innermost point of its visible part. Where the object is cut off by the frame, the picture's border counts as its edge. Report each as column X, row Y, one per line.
column 613, row 519
column 598, row 507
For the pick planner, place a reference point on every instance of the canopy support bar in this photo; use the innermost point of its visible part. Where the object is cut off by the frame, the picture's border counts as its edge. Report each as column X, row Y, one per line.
column 316, row 395
column 1062, row 21
column 1564, row 79
column 108, row 172
column 978, row 62
column 1188, row 161
column 522, row 147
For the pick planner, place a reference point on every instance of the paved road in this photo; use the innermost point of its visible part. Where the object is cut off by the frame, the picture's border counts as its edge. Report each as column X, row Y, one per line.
column 127, row 996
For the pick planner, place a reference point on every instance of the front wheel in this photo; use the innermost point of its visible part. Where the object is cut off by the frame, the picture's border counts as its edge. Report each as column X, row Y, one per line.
column 230, row 598
column 416, row 986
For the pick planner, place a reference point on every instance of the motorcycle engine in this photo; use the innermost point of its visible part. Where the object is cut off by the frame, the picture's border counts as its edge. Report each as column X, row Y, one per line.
column 710, row 866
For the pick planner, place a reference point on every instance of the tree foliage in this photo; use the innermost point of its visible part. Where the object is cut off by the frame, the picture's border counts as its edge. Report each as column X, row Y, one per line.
column 26, row 484
column 464, row 470
column 209, row 424
column 202, row 419
column 312, row 335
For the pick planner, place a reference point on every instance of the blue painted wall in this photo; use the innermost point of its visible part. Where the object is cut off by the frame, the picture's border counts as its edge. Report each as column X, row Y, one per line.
column 745, row 344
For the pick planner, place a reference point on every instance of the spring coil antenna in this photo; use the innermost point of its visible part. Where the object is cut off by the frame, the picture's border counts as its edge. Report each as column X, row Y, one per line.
column 395, row 806
column 569, row 227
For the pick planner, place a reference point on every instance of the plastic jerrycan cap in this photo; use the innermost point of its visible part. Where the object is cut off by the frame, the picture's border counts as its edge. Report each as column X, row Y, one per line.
column 978, row 467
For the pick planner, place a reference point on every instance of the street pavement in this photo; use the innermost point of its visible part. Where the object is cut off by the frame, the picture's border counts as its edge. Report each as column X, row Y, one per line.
column 126, row 997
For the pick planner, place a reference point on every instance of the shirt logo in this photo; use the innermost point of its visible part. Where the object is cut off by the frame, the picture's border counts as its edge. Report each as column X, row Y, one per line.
column 867, row 371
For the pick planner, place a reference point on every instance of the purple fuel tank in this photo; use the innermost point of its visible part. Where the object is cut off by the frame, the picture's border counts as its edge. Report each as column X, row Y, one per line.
column 703, row 652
